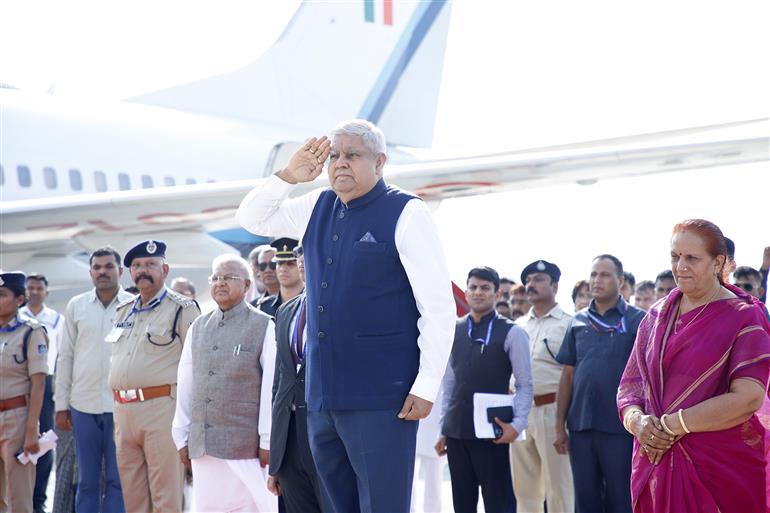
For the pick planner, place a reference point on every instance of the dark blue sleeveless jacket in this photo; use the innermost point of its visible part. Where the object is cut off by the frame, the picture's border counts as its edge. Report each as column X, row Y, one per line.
column 362, row 349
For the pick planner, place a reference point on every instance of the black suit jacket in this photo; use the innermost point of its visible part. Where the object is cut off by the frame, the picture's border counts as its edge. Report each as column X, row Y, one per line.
column 288, row 389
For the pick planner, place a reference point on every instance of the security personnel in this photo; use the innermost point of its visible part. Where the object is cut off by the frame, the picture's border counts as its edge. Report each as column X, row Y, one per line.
column 288, row 275
column 540, row 474
column 23, row 368
column 147, row 343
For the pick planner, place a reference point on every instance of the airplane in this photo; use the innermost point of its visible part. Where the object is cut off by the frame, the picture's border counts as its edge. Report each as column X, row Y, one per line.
column 174, row 164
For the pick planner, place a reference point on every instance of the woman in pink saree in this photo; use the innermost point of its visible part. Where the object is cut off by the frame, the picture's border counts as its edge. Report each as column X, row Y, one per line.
column 692, row 387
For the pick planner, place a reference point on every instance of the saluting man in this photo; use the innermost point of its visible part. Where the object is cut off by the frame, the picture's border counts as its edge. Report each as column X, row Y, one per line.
column 147, row 340
column 380, row 313
column 23, row 367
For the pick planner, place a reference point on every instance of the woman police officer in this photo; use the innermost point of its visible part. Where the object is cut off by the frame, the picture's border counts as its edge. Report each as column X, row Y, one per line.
column 23, row 367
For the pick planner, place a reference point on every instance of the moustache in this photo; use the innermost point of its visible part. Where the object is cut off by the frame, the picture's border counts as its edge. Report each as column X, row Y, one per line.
column 530, row 289
column 144, row 277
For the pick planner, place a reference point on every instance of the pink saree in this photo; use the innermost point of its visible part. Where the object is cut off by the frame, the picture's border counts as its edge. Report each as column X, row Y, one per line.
column 720, row 471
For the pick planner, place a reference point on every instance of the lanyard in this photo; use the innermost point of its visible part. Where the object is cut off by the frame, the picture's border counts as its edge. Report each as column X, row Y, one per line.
column 297, row 335
column 600, row 326
column 485, row 340
column 12, row 327
column 150, row 306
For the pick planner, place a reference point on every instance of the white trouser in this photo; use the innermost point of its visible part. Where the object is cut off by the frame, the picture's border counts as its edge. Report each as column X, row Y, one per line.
column 539, row 472
column 229, row 486
column 432, row 467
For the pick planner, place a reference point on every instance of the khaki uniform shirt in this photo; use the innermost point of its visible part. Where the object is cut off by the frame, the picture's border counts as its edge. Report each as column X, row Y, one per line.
column 546, row 334
column 145, row 351
column 84, row 357
column 15, row 371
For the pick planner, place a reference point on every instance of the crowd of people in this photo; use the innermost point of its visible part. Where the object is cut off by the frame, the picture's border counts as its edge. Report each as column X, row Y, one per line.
column 333, row 359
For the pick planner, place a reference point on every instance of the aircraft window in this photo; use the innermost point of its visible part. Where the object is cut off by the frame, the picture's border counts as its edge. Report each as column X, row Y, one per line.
column 169, row 180
column 49, row 177
column 190, row 181
column 146, row 182
column 100, row 181
column 2, row 176
column 25, row 179
column 76, row 181
column 124, row 182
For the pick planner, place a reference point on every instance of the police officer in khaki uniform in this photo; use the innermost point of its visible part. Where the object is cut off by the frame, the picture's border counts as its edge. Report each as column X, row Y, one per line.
column 23, row 368
column 147, row 343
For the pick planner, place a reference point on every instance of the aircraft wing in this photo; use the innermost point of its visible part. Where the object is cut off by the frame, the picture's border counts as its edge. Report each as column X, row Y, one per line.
column 37, row 233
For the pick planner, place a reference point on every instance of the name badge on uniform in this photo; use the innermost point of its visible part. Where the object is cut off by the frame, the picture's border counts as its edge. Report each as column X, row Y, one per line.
column 114, row 334
column 124, row 324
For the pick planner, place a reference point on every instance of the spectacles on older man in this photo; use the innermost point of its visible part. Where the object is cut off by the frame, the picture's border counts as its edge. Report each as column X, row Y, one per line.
column 227, row 278
column 748, row 287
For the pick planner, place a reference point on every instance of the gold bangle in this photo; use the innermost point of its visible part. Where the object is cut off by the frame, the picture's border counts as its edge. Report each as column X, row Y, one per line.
column 665, row 426
column 627, row 418
column 681, row 421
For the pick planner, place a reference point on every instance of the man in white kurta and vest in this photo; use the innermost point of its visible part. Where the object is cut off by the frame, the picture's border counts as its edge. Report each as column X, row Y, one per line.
column 147, row 341
column 380, row 313
column 540, row 474
column 221, row 426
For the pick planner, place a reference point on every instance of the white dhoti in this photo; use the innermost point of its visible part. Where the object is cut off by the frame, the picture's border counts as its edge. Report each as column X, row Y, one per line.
column 229, row 486
column 428, row 464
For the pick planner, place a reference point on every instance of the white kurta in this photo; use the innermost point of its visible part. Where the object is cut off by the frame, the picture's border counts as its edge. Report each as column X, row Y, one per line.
column 267, row 210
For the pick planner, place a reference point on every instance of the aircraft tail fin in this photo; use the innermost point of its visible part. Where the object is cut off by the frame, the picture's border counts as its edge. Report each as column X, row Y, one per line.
column 375, row 59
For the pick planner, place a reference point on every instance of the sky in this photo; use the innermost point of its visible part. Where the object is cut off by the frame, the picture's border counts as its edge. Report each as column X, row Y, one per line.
column 516, row 75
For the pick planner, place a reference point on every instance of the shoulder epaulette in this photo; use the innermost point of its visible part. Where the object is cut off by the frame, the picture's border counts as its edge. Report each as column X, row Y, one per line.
column 181, row 300
column 126, row 303
column 32, row 323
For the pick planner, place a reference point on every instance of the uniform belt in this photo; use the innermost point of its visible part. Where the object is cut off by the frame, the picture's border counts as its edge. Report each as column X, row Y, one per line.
column 295, row 407
column 542, row 400
column 135, row 395
column 14, row 402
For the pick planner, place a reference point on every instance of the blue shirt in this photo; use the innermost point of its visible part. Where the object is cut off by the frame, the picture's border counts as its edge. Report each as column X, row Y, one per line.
column 599, row 356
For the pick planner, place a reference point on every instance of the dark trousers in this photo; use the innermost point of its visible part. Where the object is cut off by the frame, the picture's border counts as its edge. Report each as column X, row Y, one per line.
column 44, row 464
column 480, row 463
column 365, row 460
column 297, row 475
column 601, row 471
column 94, row 445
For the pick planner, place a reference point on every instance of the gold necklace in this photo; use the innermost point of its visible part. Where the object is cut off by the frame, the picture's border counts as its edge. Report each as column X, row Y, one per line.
column 679, row 311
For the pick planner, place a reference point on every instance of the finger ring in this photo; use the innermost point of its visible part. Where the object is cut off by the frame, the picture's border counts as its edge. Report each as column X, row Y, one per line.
column 644, row 447
column 652, row 437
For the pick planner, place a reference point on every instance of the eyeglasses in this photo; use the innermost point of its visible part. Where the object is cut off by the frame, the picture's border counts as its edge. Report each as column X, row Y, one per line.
column 263, row 265
column 748, row 287
column 227, row 278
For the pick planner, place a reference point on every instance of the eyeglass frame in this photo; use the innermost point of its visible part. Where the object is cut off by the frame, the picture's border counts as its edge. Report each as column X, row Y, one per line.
column 227, row 278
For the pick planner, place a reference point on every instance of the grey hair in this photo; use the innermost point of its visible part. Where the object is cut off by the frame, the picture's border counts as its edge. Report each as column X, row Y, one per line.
column 236, row 260
column 372, row 136
column 254, row 254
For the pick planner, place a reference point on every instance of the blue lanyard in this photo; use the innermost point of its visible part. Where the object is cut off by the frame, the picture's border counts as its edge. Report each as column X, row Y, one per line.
column 600, row 326
column 485, row 340
column 295, row 335
column 12, row 327
column 150, row 306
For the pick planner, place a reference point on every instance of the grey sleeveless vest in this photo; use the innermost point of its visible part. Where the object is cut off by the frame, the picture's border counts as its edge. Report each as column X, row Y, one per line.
column 227, row 380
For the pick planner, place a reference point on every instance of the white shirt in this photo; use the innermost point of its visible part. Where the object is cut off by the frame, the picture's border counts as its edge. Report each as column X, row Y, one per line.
column 54, row 325
column 83, row 364
column 267, row 211
column 180, row 427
